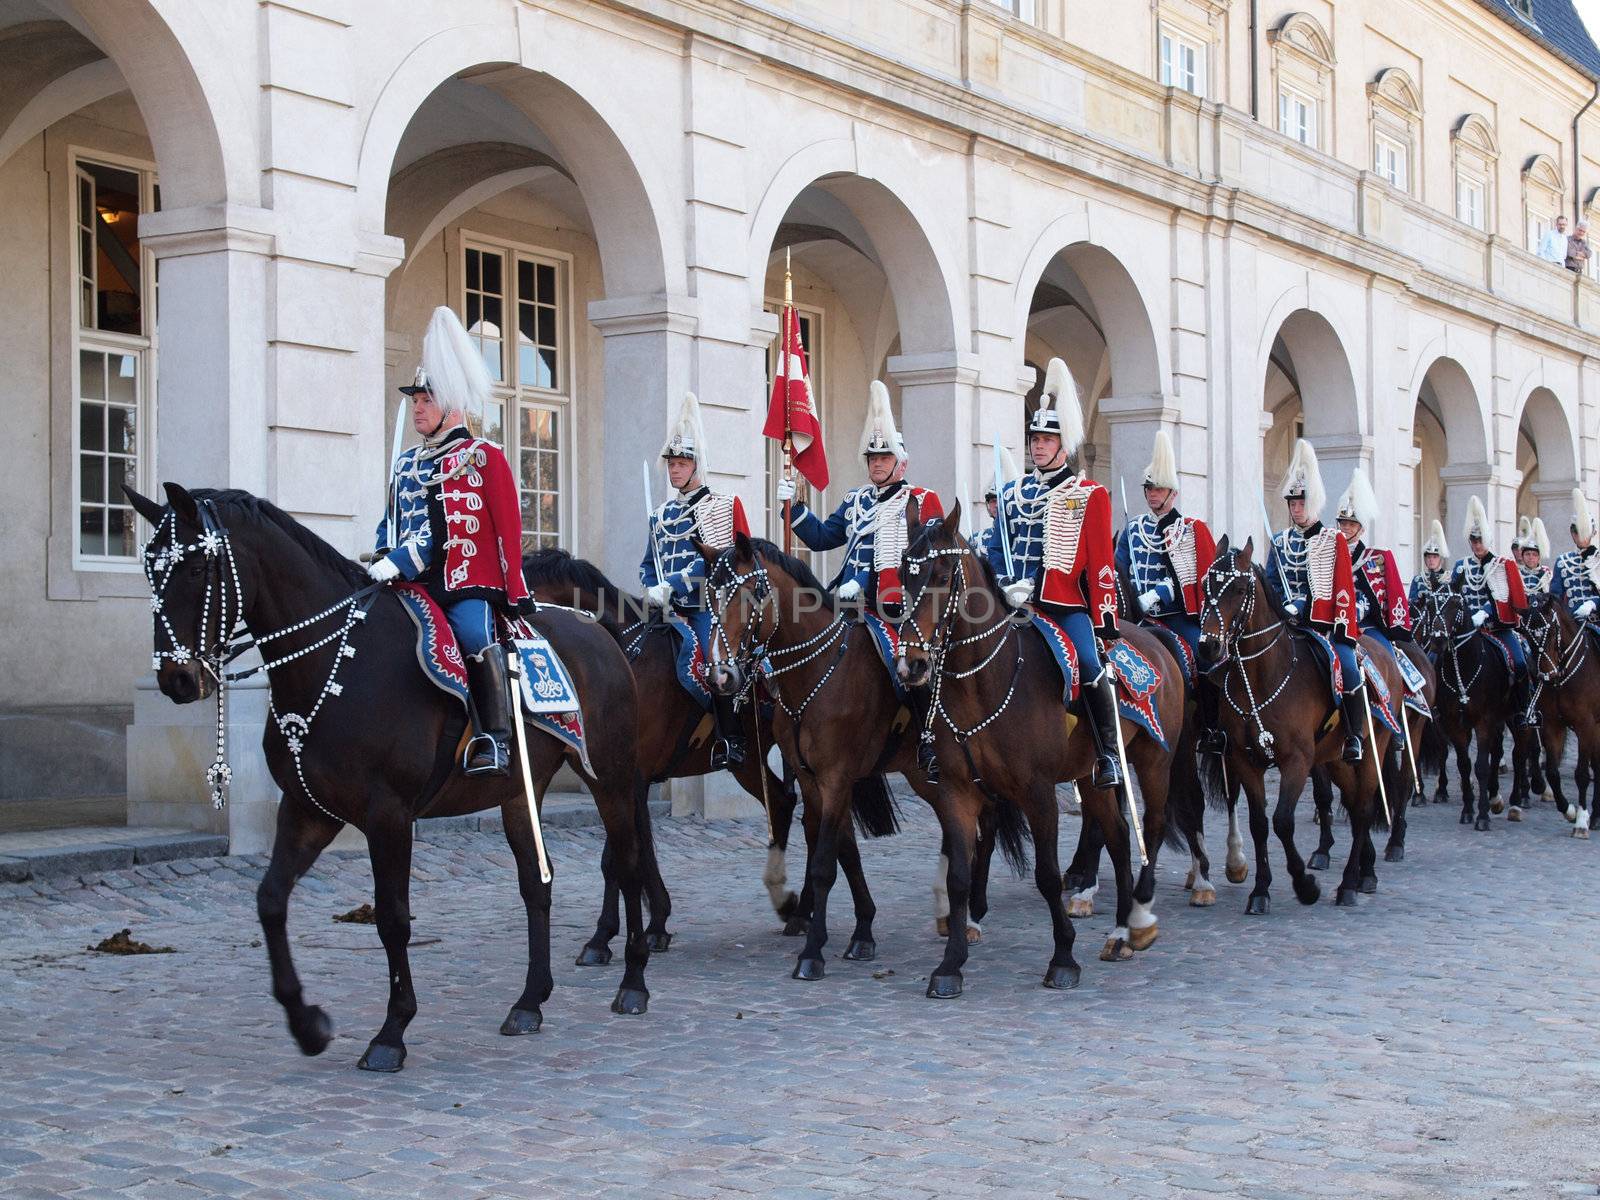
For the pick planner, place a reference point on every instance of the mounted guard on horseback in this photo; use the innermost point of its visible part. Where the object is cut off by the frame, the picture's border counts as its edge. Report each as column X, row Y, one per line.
column 1310, row 570
column 454, row 524
column 1491, row 587
column 673, row 570
column 1533, row 554
column 1164, row 555
column 1053, row 547
column 1432, row 578
column 1575, row 579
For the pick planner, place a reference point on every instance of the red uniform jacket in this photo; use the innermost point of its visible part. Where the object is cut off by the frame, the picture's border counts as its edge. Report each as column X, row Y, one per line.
column 1205, row 550
column 890, row 589
column 483, row 523
column 1381, row 577
column 1333, row 586
column 1080, row 558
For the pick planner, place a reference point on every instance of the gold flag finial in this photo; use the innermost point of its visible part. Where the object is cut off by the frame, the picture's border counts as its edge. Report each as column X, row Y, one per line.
column 788, row 279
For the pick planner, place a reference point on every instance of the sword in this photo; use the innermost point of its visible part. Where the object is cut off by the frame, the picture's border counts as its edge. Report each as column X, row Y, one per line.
column 514, row 662
column 649, row 515
column 1122, row 758
column 1266, row 521
column 395, row 445
column 1000, row 512
column 1372, row 740
column 1122, row 486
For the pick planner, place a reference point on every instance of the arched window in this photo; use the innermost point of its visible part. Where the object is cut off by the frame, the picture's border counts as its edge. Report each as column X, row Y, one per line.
column 1303, row 69
column 1542, row 201
column 1396, row 128
column 1473, row 153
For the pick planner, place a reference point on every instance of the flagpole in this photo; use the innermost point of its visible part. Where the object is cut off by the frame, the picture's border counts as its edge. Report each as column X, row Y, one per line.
column 788, row 431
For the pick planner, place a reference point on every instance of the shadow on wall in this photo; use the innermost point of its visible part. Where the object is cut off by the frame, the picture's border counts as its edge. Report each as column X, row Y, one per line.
column 65, row 751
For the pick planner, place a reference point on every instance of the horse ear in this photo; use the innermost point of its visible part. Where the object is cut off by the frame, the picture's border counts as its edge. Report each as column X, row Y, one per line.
column 914, row 516
column 744, row 550
column 1222, row 546
column 1249, row 547
column 952, row 519
column 182, row 502
column 144, row 506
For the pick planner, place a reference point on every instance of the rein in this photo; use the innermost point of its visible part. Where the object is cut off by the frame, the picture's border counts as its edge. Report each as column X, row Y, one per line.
column 1234, row 636
column 222, row 584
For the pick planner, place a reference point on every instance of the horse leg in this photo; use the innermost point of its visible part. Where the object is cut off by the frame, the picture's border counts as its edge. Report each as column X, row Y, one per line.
column 1259, row 902
column 958, row 820
column 1463, row 744
column 822, row 869
column 1322, row 793
column 1358, row 802
column 302, row 835
column 982, row 857
column 1497, row 749
column 1237, row 869
column 1143, row 928
column 1582, row 775
column 1485, row 771
column 596, row 952
column 941, row 892
column 1082, row 878
column 633, row 860
column 1103, row 808
column 1044, row 819
column 780, row 804
column 1202, row 893
column 526, row 1014
column 862, row 948
column 389, row 843
column 655, row 888
column 799, row 921
column 1291, row 782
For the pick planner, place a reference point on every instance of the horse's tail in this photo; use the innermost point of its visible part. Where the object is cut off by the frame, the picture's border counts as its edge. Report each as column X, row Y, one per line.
column 877, row 814
column 1012, row 835
column 1432, row 749
column 1186, row 792
column 1213, row 781
column 1393, row 776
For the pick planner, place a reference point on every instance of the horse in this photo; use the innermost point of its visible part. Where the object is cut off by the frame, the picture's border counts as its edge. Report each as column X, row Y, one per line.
column 960, row 641
column 837, row 717
column 1249, row 645
column 1565, row 661
column 1474, row 699
column 388, row 754
column 673, row 741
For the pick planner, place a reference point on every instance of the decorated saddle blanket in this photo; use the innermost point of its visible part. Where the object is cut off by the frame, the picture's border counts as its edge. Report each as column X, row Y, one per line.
column 1323, row 654
column 887, row 640
column 1137, row 677
column 1178, row 648
column 1498, row 639
column 549, row 696
column 1382, row 706
column 693, row 634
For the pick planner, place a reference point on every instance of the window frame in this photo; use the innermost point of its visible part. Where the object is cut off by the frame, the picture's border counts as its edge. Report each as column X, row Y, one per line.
column 1400, row 153
column 510, row 392
column 1180, row 38
column 143, row 347
column 1474, row 185
column 1289, row 94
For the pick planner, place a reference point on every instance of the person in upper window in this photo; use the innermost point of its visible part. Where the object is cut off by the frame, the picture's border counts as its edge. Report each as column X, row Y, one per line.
column 1553, row 245
column 1578, row 248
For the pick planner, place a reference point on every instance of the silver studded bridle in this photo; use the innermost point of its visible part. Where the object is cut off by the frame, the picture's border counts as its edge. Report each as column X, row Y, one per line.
column 1235, row 635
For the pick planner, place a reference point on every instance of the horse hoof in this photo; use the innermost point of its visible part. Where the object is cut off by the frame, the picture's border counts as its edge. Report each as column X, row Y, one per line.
column 1306, row 890
column 808, row 968
column 1202, row 897
column 1481, row 824
column 1188, row 881
column 312, row 1032
column 1497, row 806
column 1578, row 831
column 1116, row 950
column 594, row 956
column 974, row 935
column 1063, row 978
column 1571, row 815
column 630, row 1002
column 1080, row 906
column 660, row 942
column 388, row 1059
column 941, row 926
column 1239, row 873
column 1257, row 906
column 520, row 1021
column 1514, row 814
column 944, row 987
column 1344, row 898
column 1368, row 885
column 797, row 927
column 1318, row 860
column 1394, row 854
column 861, row 950
column 1466, row 816
column 1143, row 939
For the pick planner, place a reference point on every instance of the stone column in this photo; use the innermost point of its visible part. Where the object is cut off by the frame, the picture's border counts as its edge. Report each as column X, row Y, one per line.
column 1553, row 503
column 938, row 409
column 1339, row 456
column 1462, row 481
column 1133, row 421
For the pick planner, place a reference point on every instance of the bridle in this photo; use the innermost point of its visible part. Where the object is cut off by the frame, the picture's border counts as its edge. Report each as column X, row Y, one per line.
column 1564, row 662
column 222, row 586
column 1235, row 634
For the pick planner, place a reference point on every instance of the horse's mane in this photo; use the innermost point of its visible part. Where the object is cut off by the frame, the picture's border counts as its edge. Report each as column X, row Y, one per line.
column 555, row 567
column 255, row 507
column 1273, row 600
column 793, row 567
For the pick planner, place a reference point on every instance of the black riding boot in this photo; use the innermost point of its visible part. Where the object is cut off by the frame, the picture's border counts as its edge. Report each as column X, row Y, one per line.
column 1527, row 714
column 727, row 750
column 1100, row 706
column 1212, row 739
column 487, row 752
column 927, row 761
column 1353, row 708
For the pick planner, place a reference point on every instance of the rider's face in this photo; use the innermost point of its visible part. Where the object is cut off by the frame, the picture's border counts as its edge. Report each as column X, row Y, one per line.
column 1045, row 450
column 1350, row 529
column 1433, row 561
column 680, row 471
column 1297, row 509
column 1159, row 499
column 427, row 418
column 880, row 468
column 1582, row 543
column 1475, row 544
column 1530, row 556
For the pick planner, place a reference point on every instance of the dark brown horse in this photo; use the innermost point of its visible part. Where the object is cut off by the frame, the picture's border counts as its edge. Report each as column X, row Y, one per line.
column 838, row 719
column 1565, row 661
column 675, row 735
column 1004, row 740
column 1277, row 708
column 386, row 752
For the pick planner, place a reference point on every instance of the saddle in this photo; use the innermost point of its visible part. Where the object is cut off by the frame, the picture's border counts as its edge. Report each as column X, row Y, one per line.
column 549, row 696
column 1378, row 690
column 1137, row 677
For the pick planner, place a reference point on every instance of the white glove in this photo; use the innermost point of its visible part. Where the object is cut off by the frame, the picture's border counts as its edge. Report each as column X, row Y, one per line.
column 1585, row 610
column 785, row 489
column 1478, row 619
column 1149, row 600
column 849, row 590
column 1018, row 592
column 1290, row 607
column 383, row 570
column 659, row 594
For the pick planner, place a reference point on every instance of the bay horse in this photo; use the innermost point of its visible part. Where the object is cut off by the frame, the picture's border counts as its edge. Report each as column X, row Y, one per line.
column 1565, row 661
column 1004, row 740
column 837, row 718
column 1475, row 699
column 674, row 736
column 1278, row 708
column 388, row 750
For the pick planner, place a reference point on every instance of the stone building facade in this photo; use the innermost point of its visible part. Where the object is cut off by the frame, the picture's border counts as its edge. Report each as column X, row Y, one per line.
column 1238, row 219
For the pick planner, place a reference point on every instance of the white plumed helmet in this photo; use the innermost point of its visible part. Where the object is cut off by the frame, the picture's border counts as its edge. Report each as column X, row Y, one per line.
column 1303, row 480
column 1163, row 469
column 1359, row 504
column 452, row 368
column 686, row 437
column 880, row 435
column 1582, row 516
column 1477, row 523
column 1524, row 533
column 1059, row 411
column 1538, row 538
column 1436, row 543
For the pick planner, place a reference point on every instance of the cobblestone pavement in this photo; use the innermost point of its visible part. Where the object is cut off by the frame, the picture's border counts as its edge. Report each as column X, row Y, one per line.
column 1437, row 1041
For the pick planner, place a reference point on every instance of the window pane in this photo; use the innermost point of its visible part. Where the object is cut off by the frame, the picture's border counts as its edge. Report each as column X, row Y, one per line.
column 527, row 467
column 91, row 478
column 547, row 284
column 549, row 511
column 546, row 374
column 527, row 321
column 91, row 372
column 474, row 270
column 494, row 426
column 91, row 427
column 122, row 425
column 91, row 524
column 119, row 532
column 547, row 326
column 527, row 366
column 121, row 372
column 474, row 310
column 492, row 314
column 491, row 358
column 524, row 279
column 491, row 275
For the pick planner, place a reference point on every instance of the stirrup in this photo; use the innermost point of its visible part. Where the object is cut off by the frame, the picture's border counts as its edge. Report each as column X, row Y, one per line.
column 1212, row 741
column 1107, row 772
column 1353, row 751
column 927, row 761
column 726, row 752
column 499, row 756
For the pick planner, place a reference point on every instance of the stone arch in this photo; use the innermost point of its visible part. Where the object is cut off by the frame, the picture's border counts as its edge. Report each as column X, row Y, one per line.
column 1451, row 438
column 1395, row 88
column 885, row 202
column 569, row 101
column 1544, row 453
column 1304, row 362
